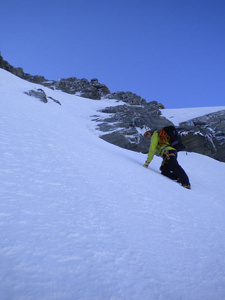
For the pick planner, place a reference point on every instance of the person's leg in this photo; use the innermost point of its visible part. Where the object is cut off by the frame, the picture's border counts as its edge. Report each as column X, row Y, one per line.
column 174, row 167
column 165, row 170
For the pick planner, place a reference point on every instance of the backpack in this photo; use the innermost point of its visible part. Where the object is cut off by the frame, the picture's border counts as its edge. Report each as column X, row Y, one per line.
column 170, row 135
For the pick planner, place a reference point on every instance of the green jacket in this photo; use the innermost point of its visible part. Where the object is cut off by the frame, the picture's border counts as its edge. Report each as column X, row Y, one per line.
column 154, row 146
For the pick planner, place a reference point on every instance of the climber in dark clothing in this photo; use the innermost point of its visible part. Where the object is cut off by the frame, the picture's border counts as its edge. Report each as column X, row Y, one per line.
column 170, row 166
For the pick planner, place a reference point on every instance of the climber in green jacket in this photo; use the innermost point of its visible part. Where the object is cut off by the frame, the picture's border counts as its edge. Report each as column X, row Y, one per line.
column 170, row 166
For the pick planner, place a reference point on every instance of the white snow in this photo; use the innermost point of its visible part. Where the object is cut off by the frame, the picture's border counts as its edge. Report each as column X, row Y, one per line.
column 82, row 219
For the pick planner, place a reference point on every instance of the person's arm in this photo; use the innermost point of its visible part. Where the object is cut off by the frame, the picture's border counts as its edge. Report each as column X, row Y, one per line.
column 153, row 145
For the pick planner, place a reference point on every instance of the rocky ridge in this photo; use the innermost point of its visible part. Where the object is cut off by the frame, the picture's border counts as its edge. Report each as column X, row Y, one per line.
column 124, row 125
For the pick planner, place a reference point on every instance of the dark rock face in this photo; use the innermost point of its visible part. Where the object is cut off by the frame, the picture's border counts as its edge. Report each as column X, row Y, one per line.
column 6, row 66
column 124, row 125
column 19, row 72
column 127, row 97
column 205, row 135
column 81, row 87
column 39, row 94
column 133, row 99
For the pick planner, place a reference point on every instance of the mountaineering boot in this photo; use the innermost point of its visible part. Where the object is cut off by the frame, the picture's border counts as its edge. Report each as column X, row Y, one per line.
column 187, row 186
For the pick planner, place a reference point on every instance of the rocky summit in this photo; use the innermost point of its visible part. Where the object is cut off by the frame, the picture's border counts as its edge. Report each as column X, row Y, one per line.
column 125, row 123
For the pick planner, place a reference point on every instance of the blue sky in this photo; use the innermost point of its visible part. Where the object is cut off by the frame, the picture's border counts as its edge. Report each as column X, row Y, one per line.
column 171, row 51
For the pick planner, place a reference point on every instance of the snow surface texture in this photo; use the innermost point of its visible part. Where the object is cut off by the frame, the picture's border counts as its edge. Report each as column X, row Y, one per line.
column 82, row 219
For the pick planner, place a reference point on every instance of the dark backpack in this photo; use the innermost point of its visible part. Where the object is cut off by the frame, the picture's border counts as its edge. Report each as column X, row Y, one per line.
column 170, row 134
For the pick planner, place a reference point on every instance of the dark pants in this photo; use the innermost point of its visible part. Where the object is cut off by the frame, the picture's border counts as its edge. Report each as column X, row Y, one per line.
column 171, row 168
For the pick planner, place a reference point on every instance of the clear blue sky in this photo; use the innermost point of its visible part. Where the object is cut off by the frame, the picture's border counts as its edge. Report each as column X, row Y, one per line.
column 171, row 51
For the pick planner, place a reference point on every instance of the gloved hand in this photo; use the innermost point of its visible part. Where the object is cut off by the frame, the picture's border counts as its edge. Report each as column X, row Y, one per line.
column 146, row 164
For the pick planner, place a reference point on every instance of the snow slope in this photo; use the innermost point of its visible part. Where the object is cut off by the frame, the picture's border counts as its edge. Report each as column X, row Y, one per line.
column 82, row 219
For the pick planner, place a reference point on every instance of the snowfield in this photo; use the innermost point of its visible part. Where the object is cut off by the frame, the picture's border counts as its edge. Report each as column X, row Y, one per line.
column 82, row 219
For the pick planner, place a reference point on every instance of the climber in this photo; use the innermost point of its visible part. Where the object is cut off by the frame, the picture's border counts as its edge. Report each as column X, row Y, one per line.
column 170, row 166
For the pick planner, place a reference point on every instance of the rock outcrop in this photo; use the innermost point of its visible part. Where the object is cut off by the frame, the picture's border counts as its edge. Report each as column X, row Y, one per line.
column 81, row 87
column 124, row 125
column 205, row 135
column 20, row 73
column 41, row 95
